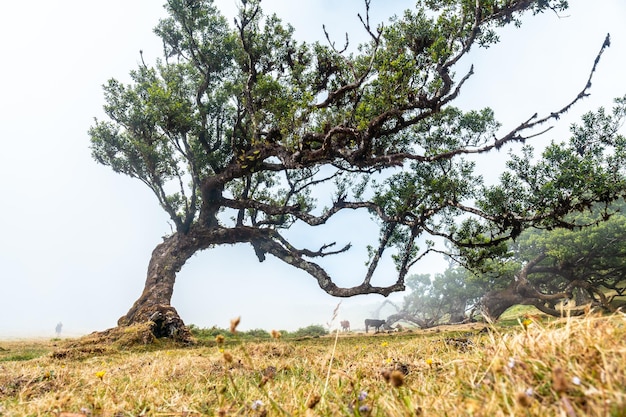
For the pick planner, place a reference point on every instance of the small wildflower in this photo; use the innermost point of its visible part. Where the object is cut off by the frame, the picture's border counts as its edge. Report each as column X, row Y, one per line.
column 219, row 339
column 388, row 360
column 530, row 392
column 228, row 357
column 100, row 374
column 276, row 334
column 234, row 323
column 429, row 362
column 511, row 363
column 315, row 398
column 362, row 395
column 526, row 322
column 364, row 409
column 576, row 380
column 384, row 344
column 257, row 404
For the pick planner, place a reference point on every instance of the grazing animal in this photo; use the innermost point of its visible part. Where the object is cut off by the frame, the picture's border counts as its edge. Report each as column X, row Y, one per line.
column 345, row 325
column 377, row 324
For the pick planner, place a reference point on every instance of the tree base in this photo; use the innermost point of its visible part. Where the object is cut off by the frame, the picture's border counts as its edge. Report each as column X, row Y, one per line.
column 168, row 324
column 164, row 322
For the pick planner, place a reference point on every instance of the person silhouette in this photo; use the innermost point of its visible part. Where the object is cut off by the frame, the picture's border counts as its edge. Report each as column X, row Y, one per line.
column 58, row 328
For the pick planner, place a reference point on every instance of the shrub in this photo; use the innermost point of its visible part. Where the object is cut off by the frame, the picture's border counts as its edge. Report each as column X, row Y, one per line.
column 314, row 330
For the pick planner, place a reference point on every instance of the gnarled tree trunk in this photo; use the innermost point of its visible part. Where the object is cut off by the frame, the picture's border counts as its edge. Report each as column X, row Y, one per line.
column 494, row 303
column 457, row 311
column 522, row 291
column 154, row 303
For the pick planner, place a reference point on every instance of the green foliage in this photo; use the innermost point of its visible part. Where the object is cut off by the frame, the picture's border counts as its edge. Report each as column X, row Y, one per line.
column 22, row 353
column 584, row 263
column 314, row 330
column 257, row 333
column 209, row 334
column 569, row 176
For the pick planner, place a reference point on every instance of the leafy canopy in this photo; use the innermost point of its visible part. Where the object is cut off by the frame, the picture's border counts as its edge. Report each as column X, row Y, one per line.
column 238, row 130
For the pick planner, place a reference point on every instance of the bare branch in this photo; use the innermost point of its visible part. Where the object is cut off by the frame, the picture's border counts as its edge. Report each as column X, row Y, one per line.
column 384, row 241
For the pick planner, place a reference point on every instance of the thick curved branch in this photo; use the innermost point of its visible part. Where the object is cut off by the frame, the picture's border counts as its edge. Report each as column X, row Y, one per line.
column 269, row 245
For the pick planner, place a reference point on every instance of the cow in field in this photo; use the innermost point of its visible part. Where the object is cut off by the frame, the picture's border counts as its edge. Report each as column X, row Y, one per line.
column 376, row 324
column 345, row 325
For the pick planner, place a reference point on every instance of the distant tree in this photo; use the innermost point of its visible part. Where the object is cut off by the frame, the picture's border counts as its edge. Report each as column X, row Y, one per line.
column 445, row 298
column 237, row 127
column 578, row 251
column 573, row 266
column 314, row 330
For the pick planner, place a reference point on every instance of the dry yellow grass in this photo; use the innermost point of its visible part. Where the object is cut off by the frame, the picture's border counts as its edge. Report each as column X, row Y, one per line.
column 569, row 367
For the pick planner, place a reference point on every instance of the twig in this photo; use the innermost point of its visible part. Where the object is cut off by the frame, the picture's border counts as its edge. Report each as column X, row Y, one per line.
column 332, row 355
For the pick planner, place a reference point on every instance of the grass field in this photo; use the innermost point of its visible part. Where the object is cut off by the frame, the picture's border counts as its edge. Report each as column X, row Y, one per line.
column 566, row 367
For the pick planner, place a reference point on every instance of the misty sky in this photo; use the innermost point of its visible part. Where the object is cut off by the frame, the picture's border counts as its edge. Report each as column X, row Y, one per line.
column 76, row 237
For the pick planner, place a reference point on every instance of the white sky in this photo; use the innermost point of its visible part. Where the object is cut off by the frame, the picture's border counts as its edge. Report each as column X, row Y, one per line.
column 76, row 238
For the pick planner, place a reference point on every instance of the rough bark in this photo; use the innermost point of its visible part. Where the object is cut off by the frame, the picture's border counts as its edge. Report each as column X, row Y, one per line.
column 154, row 303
